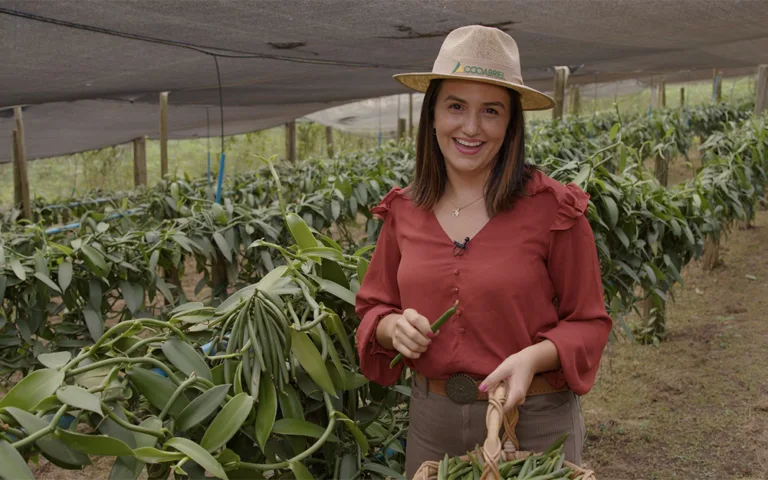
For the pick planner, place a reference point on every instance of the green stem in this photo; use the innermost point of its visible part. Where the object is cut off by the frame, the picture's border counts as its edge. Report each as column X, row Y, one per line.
column 179, row 390
column 145, row 342
column 119, row 328
column 117, row 360
column 13, row 431
column 298, row 458
column 313, row 323
column 41, row 433
column 129, row 426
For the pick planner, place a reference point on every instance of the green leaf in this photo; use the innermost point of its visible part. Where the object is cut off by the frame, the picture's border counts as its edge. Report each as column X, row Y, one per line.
column 3, row 283
column 95, row 260
column 227, row 422
column 614, row 131
column 54, row 360
column 2, row 255
column 332, row 271
column 157, row 390
column 47, row 281
column 133, row 294
column 613, row 210
column 202, row 407
column 14, row 466
column 94, row 444
column 300, row 232
column 93, row 322
column 184, row 357
column 18, row 269
column 335, row 289
column 362, row 442
column 382, row 470
column 583, row 175
column 362, row 268
column 323, row 252
column 310, row 359
column 53, row 449
column 65, row 275
column 302, row 428
column 79, row 398
column 33, row 388
column 266, row 410
column 622, row 237
column 650, row 273
column 221, row 242
column 153, row 259
column 153, row 455
column 300, row 471
column 199, row 455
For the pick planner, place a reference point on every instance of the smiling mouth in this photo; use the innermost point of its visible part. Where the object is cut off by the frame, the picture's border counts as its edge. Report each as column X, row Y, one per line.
column 468, row 147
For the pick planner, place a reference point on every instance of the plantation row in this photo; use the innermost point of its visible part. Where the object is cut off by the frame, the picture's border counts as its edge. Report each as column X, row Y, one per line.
column 645, row 234
column 274, row 365
column 162, row 201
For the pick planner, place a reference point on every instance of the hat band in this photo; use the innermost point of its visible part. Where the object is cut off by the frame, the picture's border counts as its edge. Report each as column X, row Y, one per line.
column 473, row 68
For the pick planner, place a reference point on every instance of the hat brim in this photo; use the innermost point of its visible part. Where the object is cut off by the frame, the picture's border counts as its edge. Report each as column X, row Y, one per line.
column 530, row 98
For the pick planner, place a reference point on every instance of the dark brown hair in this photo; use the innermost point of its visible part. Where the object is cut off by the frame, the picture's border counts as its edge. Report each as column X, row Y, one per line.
column 508, row 173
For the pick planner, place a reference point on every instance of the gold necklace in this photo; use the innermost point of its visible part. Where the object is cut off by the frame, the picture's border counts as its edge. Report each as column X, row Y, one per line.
column 455, row 212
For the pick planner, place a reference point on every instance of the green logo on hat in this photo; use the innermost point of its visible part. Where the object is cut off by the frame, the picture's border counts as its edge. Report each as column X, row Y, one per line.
column 486, row 72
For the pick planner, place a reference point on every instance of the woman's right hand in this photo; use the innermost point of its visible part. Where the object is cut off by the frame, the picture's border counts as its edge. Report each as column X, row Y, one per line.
column 409, row 333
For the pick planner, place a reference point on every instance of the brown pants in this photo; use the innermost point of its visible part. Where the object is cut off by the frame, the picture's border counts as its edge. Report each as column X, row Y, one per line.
column 438, row 426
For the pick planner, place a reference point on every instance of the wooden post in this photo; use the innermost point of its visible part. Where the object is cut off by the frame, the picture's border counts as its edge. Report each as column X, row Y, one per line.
column 717, row 85
column 761, row 90
column 26, row 207
column 575, row 101
column 662, row 94
column 290, row 141
column 410, row 115
column 400, row 128
column 140, row 161
column 163, row 134
column 16, row 177
column 682, row 97
column 329, row 140
column 561, row 79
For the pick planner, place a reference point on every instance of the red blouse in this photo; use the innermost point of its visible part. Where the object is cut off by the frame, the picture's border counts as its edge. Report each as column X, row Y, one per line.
column 508, row 281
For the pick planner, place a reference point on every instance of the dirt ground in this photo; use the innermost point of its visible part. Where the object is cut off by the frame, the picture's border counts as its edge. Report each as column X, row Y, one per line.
column 696, row 406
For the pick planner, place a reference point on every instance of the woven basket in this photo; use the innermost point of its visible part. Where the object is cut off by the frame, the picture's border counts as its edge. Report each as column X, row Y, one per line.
column 493, row 451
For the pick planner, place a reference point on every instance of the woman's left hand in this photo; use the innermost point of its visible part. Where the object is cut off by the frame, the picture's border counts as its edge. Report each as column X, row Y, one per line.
column 517, row 370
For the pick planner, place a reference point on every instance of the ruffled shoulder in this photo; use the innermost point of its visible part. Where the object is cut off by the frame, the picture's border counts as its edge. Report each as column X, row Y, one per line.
column 385, row 205
column 572, row 201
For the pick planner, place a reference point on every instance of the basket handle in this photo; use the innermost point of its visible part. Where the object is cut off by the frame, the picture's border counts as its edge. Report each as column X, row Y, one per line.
column 494, row 419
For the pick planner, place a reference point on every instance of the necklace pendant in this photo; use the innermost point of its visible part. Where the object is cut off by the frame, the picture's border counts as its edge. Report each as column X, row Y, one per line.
column 455, row 213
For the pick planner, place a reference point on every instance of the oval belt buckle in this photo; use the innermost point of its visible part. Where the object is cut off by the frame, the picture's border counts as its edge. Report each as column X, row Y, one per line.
column 461, row 388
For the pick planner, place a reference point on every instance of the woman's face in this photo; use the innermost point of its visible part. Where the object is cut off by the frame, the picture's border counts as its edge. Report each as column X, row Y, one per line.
column 471, row 120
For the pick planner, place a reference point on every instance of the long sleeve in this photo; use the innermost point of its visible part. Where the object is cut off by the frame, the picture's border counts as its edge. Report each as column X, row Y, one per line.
column 582, row 331
column 379, row 295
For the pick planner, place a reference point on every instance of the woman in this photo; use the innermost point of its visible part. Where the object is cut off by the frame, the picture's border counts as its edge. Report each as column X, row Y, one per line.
column 514, row 248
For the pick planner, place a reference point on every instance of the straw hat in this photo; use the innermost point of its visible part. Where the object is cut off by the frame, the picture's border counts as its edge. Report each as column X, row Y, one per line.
column 483, row 54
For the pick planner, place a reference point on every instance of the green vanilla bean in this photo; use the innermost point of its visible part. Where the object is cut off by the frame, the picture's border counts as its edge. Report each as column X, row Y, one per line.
column 435, row 327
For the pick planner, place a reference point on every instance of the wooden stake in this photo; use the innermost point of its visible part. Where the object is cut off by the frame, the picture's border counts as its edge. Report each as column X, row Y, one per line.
column 661, row 170
column 400, row 128
column 717, row 85
column 163, row 134
column 575, row 101
column 662, row 94
column 140, row 161
column 329, row 140
column 761, row 90
column 561, row 79
column 16, row 177
column 682, row 97
column 410, row 115
column 26, row 207
column 290, row 141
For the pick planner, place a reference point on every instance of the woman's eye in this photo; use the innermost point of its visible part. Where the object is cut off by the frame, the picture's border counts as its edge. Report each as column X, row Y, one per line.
column 455, row 106
column 492, row 111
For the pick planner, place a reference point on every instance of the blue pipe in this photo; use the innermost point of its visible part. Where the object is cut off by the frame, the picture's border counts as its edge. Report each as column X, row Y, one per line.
column 222, row 162
column 72, row 226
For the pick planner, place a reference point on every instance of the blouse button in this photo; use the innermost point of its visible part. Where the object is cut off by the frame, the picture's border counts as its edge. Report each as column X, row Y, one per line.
column 462, row 330
column 455, row 272
column 455, row 289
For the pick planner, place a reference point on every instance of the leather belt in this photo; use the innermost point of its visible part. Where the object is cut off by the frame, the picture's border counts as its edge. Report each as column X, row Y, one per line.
column 462, row 388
